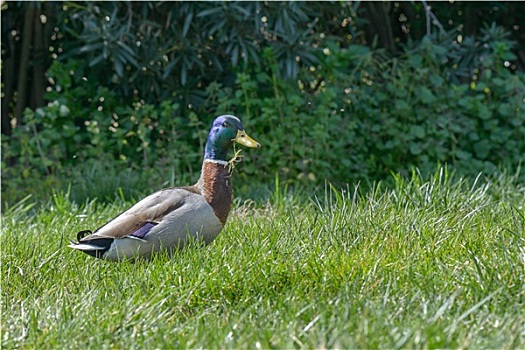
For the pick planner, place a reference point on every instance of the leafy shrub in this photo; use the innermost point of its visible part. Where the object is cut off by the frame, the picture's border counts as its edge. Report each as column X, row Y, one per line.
column 357, row 115
column 361, row 115
column 86, row 123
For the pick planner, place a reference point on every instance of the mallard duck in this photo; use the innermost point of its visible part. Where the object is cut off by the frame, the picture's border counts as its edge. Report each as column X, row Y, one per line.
column 166, row 219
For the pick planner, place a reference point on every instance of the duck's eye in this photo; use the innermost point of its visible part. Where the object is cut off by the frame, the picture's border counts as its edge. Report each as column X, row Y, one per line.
column 225, row 124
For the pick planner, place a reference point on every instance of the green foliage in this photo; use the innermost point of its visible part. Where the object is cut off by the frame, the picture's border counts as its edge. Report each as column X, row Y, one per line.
column 435, row 262
column 419, row 118
column 362, row 115
column 126, row 42
column 296, row 127
column 356, row 115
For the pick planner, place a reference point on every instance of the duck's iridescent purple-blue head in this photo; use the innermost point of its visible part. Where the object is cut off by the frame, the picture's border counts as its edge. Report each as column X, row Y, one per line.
column 225, row 130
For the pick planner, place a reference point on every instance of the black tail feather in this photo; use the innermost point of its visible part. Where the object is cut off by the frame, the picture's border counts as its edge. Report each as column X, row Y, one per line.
column 104, row 243
column 83, row 234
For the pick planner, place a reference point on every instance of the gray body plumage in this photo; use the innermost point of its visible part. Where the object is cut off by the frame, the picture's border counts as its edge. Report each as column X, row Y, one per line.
column 180, row 215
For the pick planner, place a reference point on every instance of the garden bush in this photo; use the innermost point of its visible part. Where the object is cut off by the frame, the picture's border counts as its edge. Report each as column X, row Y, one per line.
column 358, row 115
column 368, row 115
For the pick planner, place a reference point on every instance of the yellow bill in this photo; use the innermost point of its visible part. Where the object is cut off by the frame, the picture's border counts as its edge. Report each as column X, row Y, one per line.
column 246, row 140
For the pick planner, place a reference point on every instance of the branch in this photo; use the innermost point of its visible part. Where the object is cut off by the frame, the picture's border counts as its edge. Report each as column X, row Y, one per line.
column 431, row 17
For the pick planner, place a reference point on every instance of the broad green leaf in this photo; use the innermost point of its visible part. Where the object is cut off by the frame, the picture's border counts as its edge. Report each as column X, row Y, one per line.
column 418, row 131
column 426, row 95
column 415, row 148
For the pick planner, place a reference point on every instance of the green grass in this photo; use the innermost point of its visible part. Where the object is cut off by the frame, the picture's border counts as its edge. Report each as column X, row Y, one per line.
column 427, row 263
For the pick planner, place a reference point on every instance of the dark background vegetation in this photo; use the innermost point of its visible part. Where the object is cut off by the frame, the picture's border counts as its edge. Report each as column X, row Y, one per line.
column 102, row 95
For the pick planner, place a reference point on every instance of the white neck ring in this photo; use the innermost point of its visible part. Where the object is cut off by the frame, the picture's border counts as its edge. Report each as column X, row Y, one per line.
column 222, row 162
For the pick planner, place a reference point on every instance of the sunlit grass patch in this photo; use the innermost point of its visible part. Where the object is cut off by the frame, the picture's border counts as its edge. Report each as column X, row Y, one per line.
column 435, row 262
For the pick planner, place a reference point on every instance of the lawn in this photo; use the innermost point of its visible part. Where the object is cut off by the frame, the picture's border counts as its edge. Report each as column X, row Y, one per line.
column 434, row 262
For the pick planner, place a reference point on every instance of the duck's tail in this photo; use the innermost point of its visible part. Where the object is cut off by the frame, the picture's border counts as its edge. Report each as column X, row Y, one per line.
column 95, row 247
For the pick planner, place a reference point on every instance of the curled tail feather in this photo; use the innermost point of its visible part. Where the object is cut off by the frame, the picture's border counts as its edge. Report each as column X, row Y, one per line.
column 96, row 247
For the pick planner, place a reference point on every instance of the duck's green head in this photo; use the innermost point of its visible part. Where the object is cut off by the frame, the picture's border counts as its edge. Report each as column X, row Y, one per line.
column 226, row 130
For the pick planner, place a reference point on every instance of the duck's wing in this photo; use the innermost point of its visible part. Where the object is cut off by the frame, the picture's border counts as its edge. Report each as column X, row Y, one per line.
column 138, row 220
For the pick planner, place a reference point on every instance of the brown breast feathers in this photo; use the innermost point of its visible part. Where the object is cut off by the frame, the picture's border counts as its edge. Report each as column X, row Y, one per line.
column 216, row 188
